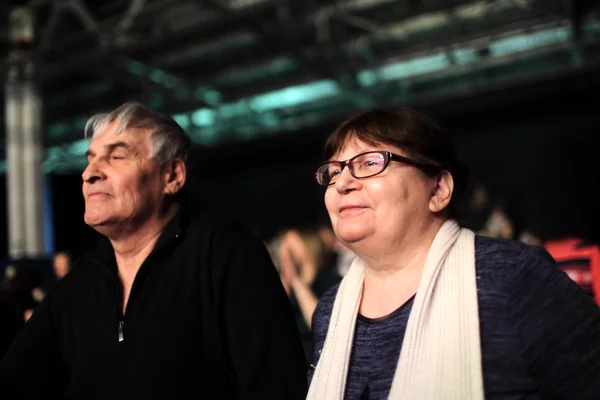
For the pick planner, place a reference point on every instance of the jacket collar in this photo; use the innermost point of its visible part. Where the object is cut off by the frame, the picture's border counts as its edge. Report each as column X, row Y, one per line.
column 105, row 254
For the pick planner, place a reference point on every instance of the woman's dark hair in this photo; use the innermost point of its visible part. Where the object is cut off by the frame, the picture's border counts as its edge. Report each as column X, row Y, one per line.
column 409, row 130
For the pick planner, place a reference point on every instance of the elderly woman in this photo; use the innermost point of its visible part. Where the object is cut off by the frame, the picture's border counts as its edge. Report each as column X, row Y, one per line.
column 429, row 310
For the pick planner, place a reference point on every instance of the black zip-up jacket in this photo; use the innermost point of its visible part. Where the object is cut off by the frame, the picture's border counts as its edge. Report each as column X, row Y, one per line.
column 207, row 318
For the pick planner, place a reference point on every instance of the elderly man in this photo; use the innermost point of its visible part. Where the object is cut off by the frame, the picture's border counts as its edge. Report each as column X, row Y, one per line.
column 171, row 304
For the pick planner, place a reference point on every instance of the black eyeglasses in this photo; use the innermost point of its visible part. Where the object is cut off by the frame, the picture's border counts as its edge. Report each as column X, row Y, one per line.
column 363, row 165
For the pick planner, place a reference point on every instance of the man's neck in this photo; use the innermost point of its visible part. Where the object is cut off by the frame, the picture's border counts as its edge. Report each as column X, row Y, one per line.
column 132, row 249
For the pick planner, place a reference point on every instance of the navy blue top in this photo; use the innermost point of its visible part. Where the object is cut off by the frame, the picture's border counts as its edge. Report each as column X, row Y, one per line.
column 540, row 333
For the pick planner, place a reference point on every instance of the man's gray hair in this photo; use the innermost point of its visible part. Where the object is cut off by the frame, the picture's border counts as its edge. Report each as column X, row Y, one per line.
column 168, row 140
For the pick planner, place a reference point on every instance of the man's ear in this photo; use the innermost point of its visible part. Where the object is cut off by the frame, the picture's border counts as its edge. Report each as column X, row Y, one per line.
column 442, row 193
column 175, row 176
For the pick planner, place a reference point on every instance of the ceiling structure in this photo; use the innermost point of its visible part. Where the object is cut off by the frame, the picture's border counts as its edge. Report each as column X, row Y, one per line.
column 234, row 70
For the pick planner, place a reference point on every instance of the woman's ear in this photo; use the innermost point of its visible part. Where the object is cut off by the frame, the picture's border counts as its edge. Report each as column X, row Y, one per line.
column 442, row 193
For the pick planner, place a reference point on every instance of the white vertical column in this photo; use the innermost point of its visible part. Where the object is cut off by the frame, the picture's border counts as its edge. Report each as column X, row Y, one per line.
column 33, row 187
column 24, row 142
column 14, row 170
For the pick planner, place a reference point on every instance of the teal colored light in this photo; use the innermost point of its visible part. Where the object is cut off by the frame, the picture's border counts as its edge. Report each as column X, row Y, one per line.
column 414, row 67
column 403, row 69
column 246, row 131
column 135, row 67
column 212, row 97
column 79, row 147
column 53, row 157
column 79, row 124
column 465, row 56
column 183, row 120
column 269, row 120
column 294, row 95
column 232, row 110
column 67, row 157
column 158, row 76
column 2, row 166
column 280, row 65
column 170, row 81
column 366, row 78
column 530, row 41
column 53, row 154
column 208, row 95
column 273, row 68
column 210, row 126
column 199, row 93
column 208, row 135
column 592, row 27
column 203, row 117
column 157, row 101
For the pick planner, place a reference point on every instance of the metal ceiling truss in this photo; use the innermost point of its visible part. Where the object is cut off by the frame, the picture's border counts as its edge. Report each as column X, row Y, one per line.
column 231, row 70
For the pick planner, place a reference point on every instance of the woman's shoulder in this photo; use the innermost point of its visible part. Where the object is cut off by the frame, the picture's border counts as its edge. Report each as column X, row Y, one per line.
column 488, row 249
column 508, row 257
column 512, row 268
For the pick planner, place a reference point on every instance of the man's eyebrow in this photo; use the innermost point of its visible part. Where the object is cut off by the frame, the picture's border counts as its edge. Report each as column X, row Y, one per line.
column 111, row 147
column 117, row 145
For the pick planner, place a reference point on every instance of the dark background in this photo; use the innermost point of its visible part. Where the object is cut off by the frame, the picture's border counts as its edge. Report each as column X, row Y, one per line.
column 534, row 145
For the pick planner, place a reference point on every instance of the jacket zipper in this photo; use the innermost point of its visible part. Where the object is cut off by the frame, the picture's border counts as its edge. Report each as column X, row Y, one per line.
column 117, row 283
column 121, row 337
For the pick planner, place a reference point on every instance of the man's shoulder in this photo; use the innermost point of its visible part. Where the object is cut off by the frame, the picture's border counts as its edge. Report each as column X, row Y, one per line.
column 224, row 239
column 217, row 223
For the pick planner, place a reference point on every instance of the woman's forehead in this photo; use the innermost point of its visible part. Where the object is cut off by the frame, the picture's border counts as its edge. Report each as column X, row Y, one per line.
column 353, row 146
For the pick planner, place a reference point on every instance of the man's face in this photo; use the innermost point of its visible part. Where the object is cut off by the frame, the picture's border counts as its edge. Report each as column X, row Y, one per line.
column 122, row 185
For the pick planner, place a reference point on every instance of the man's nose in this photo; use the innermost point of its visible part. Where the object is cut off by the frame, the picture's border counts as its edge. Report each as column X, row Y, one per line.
column 92, row 173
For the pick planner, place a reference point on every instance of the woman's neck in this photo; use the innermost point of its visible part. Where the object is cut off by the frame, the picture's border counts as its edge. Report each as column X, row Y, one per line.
column 393, row 276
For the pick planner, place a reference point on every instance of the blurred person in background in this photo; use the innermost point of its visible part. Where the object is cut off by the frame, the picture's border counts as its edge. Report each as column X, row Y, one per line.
column 499, row 225
column 531, row 238
column 307, row 272
column 11, row 322
column 11, row 314
column 342, row 255
column 429, row 310
column 17, row 287
column 61, row 265
column 171, row 302
column 478, row 208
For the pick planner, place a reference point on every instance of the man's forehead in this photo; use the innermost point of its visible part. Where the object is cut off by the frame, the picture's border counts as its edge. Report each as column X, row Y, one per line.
column 108, row 138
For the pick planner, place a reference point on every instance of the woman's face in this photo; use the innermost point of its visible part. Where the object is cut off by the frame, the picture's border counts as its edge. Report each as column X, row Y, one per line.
column 381, row 209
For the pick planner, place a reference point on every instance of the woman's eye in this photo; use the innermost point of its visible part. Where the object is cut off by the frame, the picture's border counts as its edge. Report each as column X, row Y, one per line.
column 372, row 163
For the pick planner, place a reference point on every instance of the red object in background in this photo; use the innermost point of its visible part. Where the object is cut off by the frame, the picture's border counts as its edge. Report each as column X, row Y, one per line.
column 580, row 259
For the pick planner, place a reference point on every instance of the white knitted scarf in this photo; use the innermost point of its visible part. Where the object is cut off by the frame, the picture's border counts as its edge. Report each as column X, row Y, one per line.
column 441, row 353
